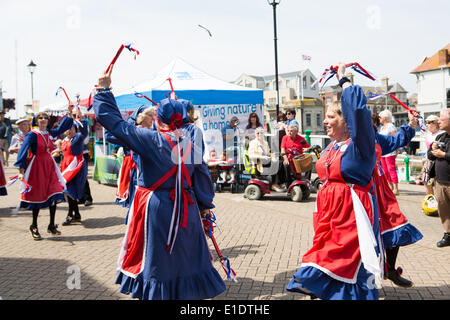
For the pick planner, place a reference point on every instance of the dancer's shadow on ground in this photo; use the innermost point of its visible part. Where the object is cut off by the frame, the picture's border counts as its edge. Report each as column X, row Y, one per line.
column 48, row 279
column 92, row 237
column 98, row 223
column 235, row 251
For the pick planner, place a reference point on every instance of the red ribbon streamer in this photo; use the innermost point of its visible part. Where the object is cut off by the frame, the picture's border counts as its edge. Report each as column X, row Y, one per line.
column 118, row 54
column 140, row 95
column 65, row 93
column 171, row 86
column 415, row 113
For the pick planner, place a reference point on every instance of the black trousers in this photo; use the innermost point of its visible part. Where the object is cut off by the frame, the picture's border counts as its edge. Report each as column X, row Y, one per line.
column 87, row 190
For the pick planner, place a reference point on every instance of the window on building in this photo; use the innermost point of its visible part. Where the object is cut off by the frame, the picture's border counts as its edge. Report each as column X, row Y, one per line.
column 308, row 119
column 304, row 82
column 288, row 83
column 283, row 100
column 448, row 98
column 318, row 119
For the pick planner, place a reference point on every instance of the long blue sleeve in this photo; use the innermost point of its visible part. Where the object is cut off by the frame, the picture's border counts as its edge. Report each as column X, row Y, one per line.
column 77, row 143
column 65, row 125
column 137, row 139
column 359, row 120
column 359, row 158
column 203, row 187
column 390, row 143
column 114, row 140
column 30, row 141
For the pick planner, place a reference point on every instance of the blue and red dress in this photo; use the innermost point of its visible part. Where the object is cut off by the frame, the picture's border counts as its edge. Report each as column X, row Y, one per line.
column 395, row 228
column 73, row 166
column 345, row 255
column 148, row 267
column 41, row 171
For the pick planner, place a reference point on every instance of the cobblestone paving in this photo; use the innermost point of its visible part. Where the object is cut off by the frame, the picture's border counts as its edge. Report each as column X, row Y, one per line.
column 264, row 241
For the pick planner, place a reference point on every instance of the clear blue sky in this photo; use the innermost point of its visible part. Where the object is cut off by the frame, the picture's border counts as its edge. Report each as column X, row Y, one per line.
column 72, row 42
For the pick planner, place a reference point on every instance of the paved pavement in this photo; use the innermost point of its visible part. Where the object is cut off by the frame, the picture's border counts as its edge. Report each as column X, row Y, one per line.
column 264, row 240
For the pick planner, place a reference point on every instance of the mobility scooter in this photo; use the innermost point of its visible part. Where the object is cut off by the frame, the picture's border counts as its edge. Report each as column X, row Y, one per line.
column 298, row 190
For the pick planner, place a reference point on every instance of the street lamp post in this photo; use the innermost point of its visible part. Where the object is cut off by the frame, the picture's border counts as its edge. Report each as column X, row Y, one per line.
column 31, row 67
column 274, row 4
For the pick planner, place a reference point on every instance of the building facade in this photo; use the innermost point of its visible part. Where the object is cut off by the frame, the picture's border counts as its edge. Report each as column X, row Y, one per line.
column 329, row 94
column 433, row 83
column 296, row 91
column 291, row 86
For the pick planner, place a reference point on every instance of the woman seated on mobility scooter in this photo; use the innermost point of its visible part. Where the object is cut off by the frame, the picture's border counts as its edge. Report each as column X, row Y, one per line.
column 263, row 161
column 293, row 145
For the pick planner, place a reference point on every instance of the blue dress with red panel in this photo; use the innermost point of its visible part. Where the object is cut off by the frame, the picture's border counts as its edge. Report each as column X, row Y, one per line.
column 41, row 171
column 395, row 228
column 73, row 167
column 162, row 258
column 346, row 250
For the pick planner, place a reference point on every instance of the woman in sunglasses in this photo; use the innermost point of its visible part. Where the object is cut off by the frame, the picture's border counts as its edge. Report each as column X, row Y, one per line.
column 431, row 134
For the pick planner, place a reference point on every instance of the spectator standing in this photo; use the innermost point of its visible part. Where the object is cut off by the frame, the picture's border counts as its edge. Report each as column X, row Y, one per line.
column 431, row 134
column 5, row 131
column 439, row 152
column 253, row 124
column 17, row 140
column 290, row 118
column 230, row 135
column 388, row 160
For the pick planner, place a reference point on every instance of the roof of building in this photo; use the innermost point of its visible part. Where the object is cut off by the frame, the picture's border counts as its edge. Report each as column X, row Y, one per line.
column 393, row 88
column 284, row 75
column 307, row 102
column 434, row 63
column 396, row 87
column 259, row 78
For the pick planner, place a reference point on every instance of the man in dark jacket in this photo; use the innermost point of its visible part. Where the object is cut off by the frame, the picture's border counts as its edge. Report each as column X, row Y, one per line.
column 440, row 153
column 5, row 133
